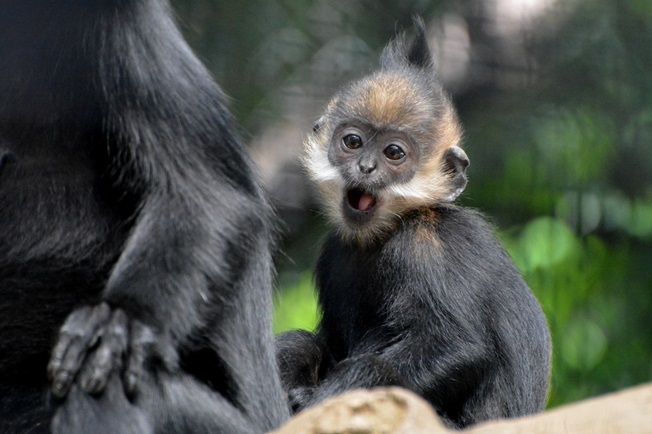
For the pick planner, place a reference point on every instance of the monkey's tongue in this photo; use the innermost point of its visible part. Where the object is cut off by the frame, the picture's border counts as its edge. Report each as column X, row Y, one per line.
column 366, row 202
column 361, row 201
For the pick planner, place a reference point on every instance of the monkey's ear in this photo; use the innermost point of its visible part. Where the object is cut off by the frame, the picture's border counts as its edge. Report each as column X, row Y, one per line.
column 419, row 53
column 317, row 126
column 455, row 163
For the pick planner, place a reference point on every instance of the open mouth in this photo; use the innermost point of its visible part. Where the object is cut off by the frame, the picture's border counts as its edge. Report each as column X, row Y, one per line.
column 360, row 200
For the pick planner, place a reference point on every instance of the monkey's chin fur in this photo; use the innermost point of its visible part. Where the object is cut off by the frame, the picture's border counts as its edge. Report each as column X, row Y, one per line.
column 362, row 217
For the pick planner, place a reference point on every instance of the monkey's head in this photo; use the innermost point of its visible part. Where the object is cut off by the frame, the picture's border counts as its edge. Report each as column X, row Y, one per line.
column 387, row 144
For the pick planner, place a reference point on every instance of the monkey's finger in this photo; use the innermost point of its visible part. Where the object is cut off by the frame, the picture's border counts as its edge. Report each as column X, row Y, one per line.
column 107, row 358
column 79, row 333
column 148, row 348
column 299, row 398
column 66, row 336
column 141, row 347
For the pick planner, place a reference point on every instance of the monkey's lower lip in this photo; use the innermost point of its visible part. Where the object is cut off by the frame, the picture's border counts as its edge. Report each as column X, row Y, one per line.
column 360, row 200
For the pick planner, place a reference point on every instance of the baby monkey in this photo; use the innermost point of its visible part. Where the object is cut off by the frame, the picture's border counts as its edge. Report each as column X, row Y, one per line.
column 414, row 291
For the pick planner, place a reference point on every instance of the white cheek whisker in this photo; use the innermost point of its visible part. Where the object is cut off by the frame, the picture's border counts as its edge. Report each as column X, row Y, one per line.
column 419, row 191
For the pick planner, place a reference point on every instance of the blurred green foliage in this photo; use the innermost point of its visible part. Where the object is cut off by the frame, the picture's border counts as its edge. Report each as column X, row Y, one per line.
column 561, row 163
column 295, row 307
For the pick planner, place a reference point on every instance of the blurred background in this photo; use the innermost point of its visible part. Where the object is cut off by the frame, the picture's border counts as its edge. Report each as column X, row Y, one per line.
column 556, row 100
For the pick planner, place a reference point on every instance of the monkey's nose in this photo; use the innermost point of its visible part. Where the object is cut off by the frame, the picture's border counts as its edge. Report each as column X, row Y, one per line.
column 367, row 167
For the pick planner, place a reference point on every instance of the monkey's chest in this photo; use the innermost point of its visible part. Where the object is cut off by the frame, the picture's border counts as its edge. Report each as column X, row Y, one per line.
column 355, row 320
column 352, row 298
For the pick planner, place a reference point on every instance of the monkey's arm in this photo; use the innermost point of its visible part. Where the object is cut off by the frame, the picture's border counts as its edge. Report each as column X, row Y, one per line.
column 359, row 372
column 197, row 220
column 180, row 256
column 302, row 358
column 437, row 369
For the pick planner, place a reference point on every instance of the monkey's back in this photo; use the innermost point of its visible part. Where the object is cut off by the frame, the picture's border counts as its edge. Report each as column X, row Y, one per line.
column 499, row 303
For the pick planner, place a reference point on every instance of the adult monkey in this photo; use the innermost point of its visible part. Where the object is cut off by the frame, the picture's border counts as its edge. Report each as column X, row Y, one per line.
column 129, row 207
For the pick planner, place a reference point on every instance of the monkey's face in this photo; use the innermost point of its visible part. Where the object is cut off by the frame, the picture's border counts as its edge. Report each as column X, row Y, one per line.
column 386, row 145
column 369, row 161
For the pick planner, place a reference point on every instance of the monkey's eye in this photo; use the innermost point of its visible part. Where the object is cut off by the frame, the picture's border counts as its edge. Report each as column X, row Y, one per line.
column 394, row 152
column 352, row 141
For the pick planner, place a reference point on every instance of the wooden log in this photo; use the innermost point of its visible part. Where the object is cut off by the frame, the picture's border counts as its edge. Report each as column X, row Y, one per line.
column 398, row 411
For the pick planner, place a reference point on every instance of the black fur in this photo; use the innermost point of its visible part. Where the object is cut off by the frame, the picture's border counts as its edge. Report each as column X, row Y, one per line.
column 438, row 308
column 419, row 53
column 123, row 181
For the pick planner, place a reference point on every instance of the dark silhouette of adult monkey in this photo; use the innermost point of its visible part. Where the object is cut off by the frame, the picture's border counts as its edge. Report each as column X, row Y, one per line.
column 129, row 207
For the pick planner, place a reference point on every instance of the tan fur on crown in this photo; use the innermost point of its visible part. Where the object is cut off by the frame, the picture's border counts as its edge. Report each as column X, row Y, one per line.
column 386, row 100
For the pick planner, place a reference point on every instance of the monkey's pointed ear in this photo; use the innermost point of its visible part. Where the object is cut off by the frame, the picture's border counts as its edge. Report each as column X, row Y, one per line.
column 419, row 53
column 455, row 163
